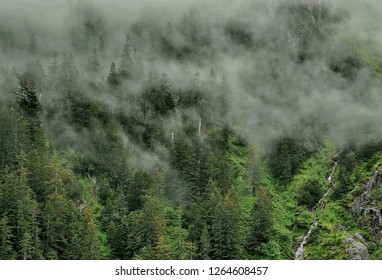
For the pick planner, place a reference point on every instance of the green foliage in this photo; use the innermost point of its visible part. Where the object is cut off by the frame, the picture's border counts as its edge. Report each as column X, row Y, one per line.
column 336, row 222
column 39, row 197
column 6, row 245
column 27, row 97
column 211, row 194
column 176, row 234
column 315, row 168
column 309, row 193
column 366, row 151
column 140, row 186
column 344, row 181
column 326, row 244
column 375, row 251
column 94, row 204
column 303, row 218
column 146, row 230
column 224, row 218
column 159, row 96
column 291, row 221
column 286, row 158
column 262, row 221
column 113, row 78
column 205, row 241
column 328, row 240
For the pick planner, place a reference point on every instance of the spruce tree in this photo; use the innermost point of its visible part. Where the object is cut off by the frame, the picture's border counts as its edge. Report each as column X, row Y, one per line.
column 261, row 227
column 6, row 245
column 113, row 77
column 126, row 68
column 27, row 97
column 205, row 241
column 138, row 188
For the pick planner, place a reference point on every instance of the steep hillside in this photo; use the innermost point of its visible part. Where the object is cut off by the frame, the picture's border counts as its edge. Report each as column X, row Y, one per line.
column 190, row 130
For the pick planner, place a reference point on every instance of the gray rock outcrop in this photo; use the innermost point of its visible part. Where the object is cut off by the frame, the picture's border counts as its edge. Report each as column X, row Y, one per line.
column 357, row 250
column 365, row 205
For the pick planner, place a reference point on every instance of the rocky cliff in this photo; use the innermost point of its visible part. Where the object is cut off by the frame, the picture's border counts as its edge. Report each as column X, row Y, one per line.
column 367, row 207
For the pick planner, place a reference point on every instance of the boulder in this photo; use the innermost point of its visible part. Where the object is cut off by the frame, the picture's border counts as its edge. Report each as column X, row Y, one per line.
column 357, row 250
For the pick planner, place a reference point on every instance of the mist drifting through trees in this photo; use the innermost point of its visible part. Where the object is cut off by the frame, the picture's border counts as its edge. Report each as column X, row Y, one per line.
column 183, row 129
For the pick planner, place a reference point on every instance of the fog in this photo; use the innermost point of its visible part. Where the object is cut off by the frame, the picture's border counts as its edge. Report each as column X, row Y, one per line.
column 311, row 71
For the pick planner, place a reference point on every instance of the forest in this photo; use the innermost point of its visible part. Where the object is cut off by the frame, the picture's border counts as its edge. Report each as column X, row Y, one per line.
column 186, row 130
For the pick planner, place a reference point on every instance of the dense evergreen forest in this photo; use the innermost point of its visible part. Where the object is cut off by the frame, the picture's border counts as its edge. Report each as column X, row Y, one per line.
column 154, row 131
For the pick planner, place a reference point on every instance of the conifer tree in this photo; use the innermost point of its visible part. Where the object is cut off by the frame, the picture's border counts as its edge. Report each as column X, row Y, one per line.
column 56, row 225
column 126, row 68
column 30, row 110
column 162, row 251
column 6, row 245
column 215, row 219
column 21, row 208
column 139, row 187
column 113, row 77
column 90, row 245
column 146, row 226
column 223, row 215
column 205, row 242
column 231, row 228
column 27, row 97
column 261, row 220
column 152, row 221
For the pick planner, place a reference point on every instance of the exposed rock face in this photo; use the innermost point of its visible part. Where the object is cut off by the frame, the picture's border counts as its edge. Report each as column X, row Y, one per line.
column 357, row 250
column 365, row 205
column 378, row 236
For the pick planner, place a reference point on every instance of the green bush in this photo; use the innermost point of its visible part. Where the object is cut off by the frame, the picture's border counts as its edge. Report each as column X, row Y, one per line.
column 309, row 193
